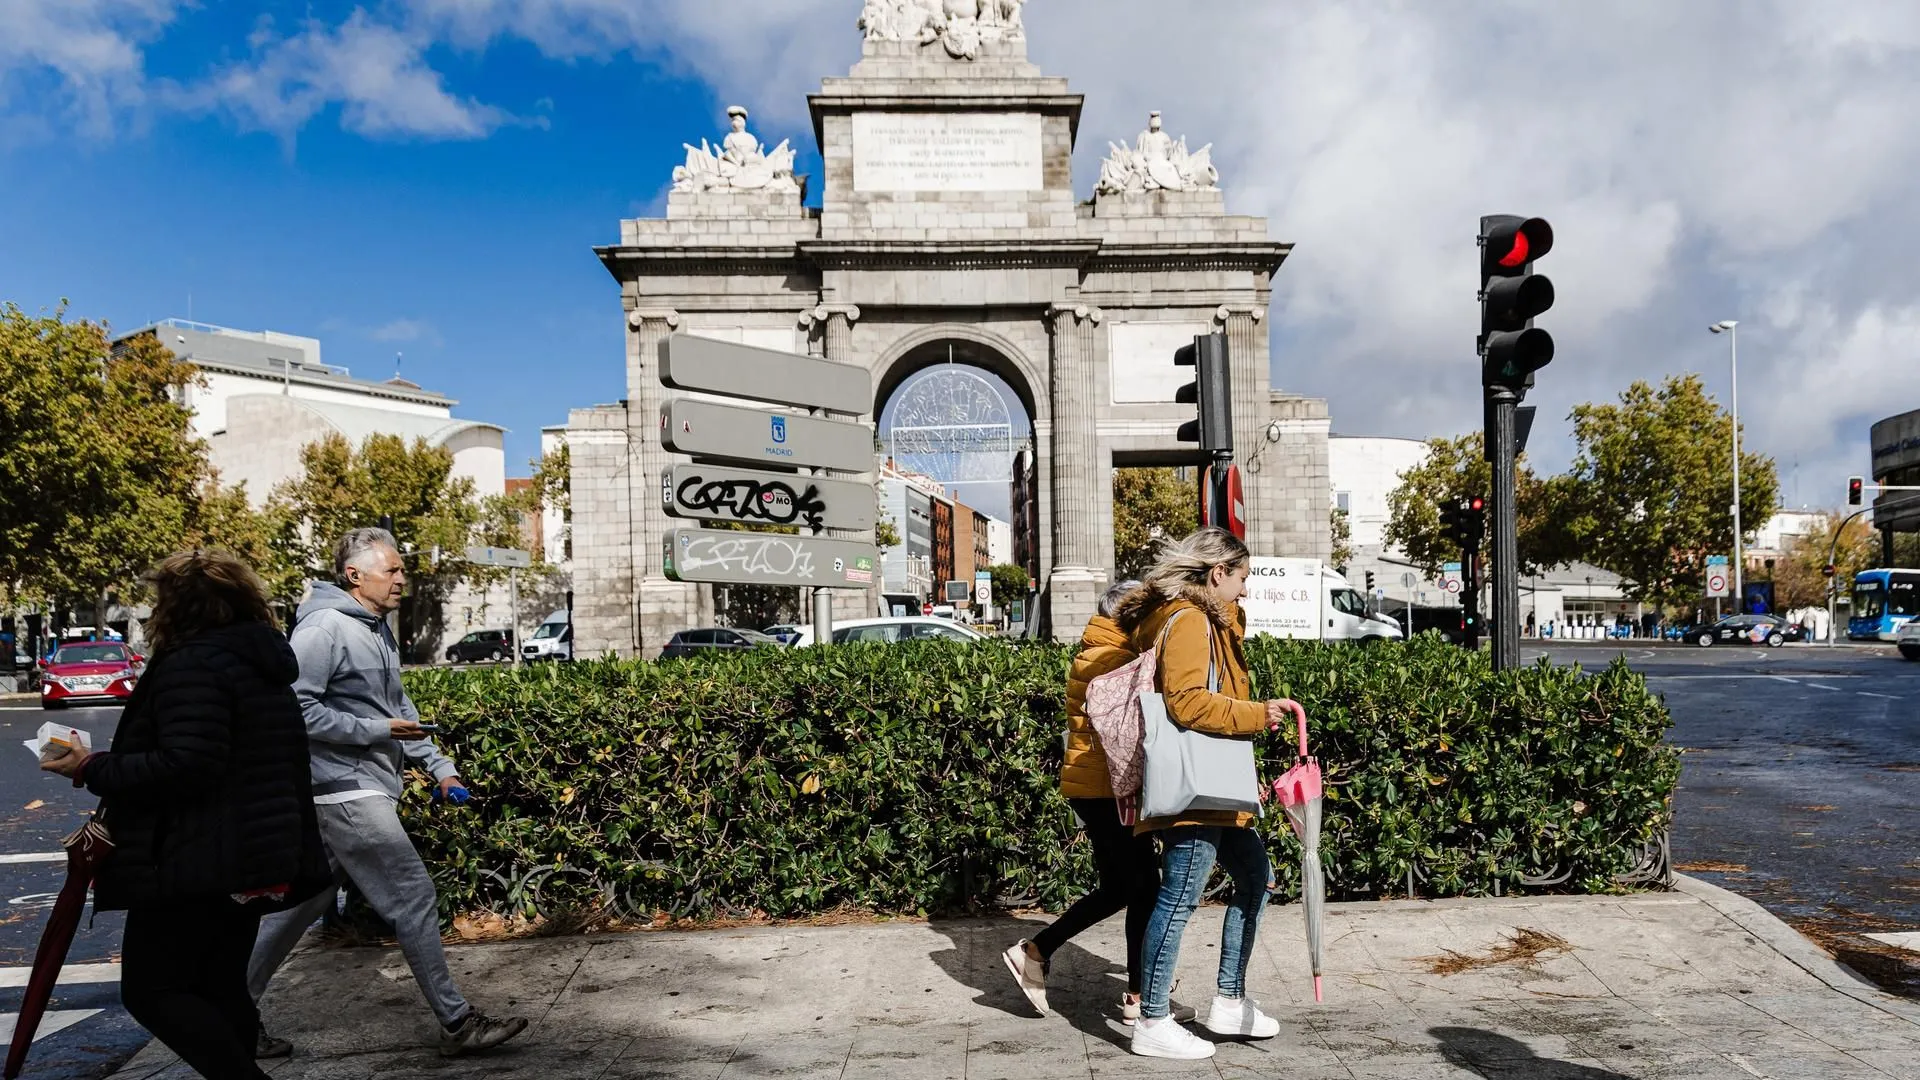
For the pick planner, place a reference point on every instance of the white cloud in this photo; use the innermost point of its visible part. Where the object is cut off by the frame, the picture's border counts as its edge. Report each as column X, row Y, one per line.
column 405, row 330
column 79, row 61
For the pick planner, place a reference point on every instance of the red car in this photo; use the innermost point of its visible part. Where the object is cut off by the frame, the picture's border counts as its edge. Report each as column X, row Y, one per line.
column 94, row 672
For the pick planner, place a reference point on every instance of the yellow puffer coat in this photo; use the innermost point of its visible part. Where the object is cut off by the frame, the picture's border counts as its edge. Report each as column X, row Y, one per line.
column 1103, row 648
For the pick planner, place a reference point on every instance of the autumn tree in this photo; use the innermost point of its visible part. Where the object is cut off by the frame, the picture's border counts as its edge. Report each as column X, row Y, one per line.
column 1798, row 578
column 1458, row 468
column 1341, row 531
column 1652, row 484
column 1149, row 507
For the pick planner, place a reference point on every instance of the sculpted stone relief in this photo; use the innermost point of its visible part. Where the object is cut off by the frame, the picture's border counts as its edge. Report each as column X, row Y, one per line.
column 1157, row 162
column 740, row 163
column 961, row 26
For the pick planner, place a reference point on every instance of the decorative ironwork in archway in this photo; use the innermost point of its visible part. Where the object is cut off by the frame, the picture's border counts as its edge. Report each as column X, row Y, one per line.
column 951, row 423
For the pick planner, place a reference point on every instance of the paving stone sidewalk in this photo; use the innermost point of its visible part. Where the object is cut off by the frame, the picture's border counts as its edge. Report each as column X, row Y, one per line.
column 1696, row 984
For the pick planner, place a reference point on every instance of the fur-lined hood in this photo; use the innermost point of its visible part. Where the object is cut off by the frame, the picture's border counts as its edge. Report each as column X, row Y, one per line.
column 1135, row 608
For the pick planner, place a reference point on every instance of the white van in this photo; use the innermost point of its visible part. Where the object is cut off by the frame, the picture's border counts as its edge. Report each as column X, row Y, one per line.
column 552, row 641
column 1301, row 598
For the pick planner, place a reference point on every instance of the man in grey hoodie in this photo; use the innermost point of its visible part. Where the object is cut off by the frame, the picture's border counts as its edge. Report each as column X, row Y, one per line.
column 362, row 731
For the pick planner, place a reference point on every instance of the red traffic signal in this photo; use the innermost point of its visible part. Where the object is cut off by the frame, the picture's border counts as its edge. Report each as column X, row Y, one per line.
column 1511, row 294
column 1512, row 243
column 1854, row 486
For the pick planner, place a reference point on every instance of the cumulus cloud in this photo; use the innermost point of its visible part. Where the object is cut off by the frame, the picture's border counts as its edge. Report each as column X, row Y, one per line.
column 85, row 58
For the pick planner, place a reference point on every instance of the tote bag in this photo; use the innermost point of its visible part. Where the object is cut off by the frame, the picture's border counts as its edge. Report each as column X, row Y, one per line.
column 1190, row 770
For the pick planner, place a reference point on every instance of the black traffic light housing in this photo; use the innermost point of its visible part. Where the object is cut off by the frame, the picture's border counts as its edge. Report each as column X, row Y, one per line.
column 1369, row 583
column 1511, row 294
column 1854, row 486
column 1465, row 520
column 1211, row 393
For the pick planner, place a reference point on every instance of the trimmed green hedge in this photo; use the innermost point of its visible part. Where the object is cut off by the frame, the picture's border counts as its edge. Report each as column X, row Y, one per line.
column 923, row 778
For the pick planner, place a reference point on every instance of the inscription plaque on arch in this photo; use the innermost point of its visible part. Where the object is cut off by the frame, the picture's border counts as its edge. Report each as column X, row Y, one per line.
column 947, row 152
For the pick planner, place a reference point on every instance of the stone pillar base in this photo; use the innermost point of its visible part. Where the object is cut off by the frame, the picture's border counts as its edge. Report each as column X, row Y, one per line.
column 850, row 604
column 1073, row 599
column 666, row 608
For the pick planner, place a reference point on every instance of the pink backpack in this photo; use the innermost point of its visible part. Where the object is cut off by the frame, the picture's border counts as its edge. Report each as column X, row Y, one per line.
column 1113, row 708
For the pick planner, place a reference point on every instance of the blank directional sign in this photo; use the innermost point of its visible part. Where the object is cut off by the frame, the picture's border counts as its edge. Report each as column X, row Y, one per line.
column 753, row 437
column 711, row 493
column 733, row 370
column 493, row 556
column 752, row 558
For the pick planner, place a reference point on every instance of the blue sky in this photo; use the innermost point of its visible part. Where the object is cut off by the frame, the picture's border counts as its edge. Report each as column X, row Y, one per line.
column 429, row 176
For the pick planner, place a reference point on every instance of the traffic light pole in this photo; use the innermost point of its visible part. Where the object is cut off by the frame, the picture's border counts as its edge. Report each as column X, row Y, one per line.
column 1506, row 539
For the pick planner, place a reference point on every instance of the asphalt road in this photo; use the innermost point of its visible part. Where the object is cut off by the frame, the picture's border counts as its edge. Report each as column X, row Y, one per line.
column 1800, row 785
column 95, row 1035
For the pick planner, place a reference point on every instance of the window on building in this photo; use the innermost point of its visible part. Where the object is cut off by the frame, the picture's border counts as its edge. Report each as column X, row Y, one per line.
column 1343, row 500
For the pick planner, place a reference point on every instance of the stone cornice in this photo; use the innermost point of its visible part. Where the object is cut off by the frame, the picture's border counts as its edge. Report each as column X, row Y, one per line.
column 946, row 254
column 843, row 97
column 1262, row 256
column 622, row 260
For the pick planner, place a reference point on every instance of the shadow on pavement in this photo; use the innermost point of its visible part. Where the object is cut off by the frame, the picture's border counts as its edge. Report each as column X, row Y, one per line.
column 1499, row 1057
column 1081, row 988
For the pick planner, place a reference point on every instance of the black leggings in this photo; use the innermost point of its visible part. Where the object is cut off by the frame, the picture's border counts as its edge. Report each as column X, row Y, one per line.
column 183, row 976
column 1129, row 878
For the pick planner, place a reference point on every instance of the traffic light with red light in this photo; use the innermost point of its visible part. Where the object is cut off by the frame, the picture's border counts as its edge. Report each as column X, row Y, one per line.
column 1854, row 486
column 1465, row 521
column 1511, row 294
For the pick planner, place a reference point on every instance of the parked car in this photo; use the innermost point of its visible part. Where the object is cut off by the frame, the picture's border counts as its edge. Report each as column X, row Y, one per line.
column 904, row 628
column 99, row 672
column 716, row 638
column 785, row 633
column 1768, row 630
column 1908, row 639
column 493, row 646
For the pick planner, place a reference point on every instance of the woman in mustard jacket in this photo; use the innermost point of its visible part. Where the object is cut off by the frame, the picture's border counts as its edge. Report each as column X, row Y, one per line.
column 1128, row 866
column 1193, row 594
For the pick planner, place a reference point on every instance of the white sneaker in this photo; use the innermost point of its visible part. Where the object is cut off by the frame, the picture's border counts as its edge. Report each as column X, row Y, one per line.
column 1130, row 1009
column 1031, row 974
column 1240, row 1017
column 1166, row 1038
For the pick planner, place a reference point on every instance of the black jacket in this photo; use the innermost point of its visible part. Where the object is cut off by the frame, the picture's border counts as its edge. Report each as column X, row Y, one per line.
column 205, row 790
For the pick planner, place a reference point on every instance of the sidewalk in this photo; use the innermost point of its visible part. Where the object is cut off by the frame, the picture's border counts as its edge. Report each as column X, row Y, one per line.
column 1696, row 984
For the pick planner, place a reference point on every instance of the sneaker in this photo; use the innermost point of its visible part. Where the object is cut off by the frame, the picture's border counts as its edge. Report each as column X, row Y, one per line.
column 1166, row 1038
column 1240, row 1017
column 1130, row 1009
column 479, row 1032
column 1031, row 974
column 266, row 1046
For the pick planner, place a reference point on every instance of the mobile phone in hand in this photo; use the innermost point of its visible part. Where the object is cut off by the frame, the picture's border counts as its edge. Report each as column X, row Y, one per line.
column 428, row 727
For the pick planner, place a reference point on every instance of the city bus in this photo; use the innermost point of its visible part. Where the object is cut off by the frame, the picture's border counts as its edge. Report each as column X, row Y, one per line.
column 1883, row 602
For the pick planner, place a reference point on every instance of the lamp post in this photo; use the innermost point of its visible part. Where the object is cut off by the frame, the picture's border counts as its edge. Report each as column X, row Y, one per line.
column 1727, row 326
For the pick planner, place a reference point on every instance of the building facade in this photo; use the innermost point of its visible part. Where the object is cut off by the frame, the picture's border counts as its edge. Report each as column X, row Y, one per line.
column 1896, row 463
column 949, row 229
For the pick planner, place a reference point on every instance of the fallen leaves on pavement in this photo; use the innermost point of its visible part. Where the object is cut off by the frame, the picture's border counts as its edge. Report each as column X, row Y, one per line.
column 1711, row 866
column 1523, row 946
column 35, row 804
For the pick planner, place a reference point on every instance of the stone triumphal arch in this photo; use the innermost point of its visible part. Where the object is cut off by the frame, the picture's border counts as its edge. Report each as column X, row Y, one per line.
column 948, row 214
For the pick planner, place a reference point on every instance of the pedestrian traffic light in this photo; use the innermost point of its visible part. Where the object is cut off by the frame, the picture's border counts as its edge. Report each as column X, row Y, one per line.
column 1211, row 393
column 1465, row 521
column 1511, row 294
column 1854, row 485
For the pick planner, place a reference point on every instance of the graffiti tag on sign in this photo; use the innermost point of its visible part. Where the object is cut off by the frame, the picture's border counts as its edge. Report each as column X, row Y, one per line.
column 773, row 556
column 774, row 501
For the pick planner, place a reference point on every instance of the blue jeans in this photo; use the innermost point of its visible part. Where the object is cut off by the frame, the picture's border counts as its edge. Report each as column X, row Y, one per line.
column 1191, row 851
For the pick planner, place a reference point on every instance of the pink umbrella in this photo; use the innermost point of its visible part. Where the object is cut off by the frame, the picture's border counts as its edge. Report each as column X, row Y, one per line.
column 1299, row 793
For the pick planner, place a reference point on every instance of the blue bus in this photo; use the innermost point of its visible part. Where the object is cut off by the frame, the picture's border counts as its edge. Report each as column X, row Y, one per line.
column 1883, row 602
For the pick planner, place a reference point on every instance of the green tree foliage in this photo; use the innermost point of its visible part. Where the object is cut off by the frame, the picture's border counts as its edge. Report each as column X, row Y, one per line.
column 1149, row 507
column 341, row 488
column 1342, row 531
column 1010, row 582
column 1457, row 468
column 1652, row 485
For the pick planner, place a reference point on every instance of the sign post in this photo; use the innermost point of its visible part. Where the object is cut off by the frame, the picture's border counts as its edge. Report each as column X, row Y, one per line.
column 754, row 467
column 514, row 560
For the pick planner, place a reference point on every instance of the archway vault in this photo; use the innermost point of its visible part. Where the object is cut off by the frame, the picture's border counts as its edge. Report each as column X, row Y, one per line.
column 971, row 345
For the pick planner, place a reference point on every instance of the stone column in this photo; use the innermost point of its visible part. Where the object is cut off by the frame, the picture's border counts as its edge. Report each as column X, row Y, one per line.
column 837, row 343
column 1074, row 580
column 664, row 607
column 603, row 586
column 1251, row 415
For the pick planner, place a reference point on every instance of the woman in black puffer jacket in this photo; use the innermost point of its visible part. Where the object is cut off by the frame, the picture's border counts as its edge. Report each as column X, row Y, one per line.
column 207, row 796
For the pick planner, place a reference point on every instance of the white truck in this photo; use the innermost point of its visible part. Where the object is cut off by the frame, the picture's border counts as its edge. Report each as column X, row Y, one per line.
column 1301, row 598
column 552, row 641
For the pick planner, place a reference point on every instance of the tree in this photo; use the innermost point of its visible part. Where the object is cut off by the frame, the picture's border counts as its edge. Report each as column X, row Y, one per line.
column 1798, row 580
column 1149, row 506
column 1010, row 582
column 553, row 489
column 1651, row 485
column 1457, row 468
column 1342, row 531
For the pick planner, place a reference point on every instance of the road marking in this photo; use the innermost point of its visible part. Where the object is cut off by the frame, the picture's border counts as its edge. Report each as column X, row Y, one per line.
column 1817, row 686
column 13, row 978
column 1909, row 940
column 52, row 1022
column 35, row 857
column 1869, row 693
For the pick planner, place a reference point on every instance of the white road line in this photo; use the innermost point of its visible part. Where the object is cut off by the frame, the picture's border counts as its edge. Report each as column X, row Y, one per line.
column 1886, row 697
column 1909, row 940
column 1817, row 686
column 57, row 1020
column 34, row 857
column 14, row 978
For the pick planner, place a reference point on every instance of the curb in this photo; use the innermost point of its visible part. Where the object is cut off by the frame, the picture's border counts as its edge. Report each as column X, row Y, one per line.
column 1791, row 944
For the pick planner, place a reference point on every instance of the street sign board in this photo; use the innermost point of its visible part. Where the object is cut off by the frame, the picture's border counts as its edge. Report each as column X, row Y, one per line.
column 1450, row 579
column 983, row 587
column 512, row 558
column 1283, row 598
column 1719, row 577
column 957, row 591
column 711, row 493
column 754, row 437
column 755, row 558
column 734, row 370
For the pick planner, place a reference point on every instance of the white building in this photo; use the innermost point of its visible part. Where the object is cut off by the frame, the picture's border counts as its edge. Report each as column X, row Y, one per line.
column 1364, row 471
column 266, row 396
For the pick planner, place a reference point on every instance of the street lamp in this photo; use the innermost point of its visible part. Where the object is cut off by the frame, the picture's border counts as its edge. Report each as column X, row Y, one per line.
column 1733, row 358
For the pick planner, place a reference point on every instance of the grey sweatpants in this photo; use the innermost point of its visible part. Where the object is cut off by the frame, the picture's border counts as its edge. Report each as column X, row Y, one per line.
column 367, row 845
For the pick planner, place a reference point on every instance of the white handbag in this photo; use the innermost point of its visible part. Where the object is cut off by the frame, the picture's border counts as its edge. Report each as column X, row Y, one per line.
column 1190, row 770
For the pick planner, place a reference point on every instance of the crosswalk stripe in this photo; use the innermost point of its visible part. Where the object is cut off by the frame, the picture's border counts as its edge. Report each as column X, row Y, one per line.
column 58, row 1020
column 1906, row 940
column 13, row 978
column 34, row 857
